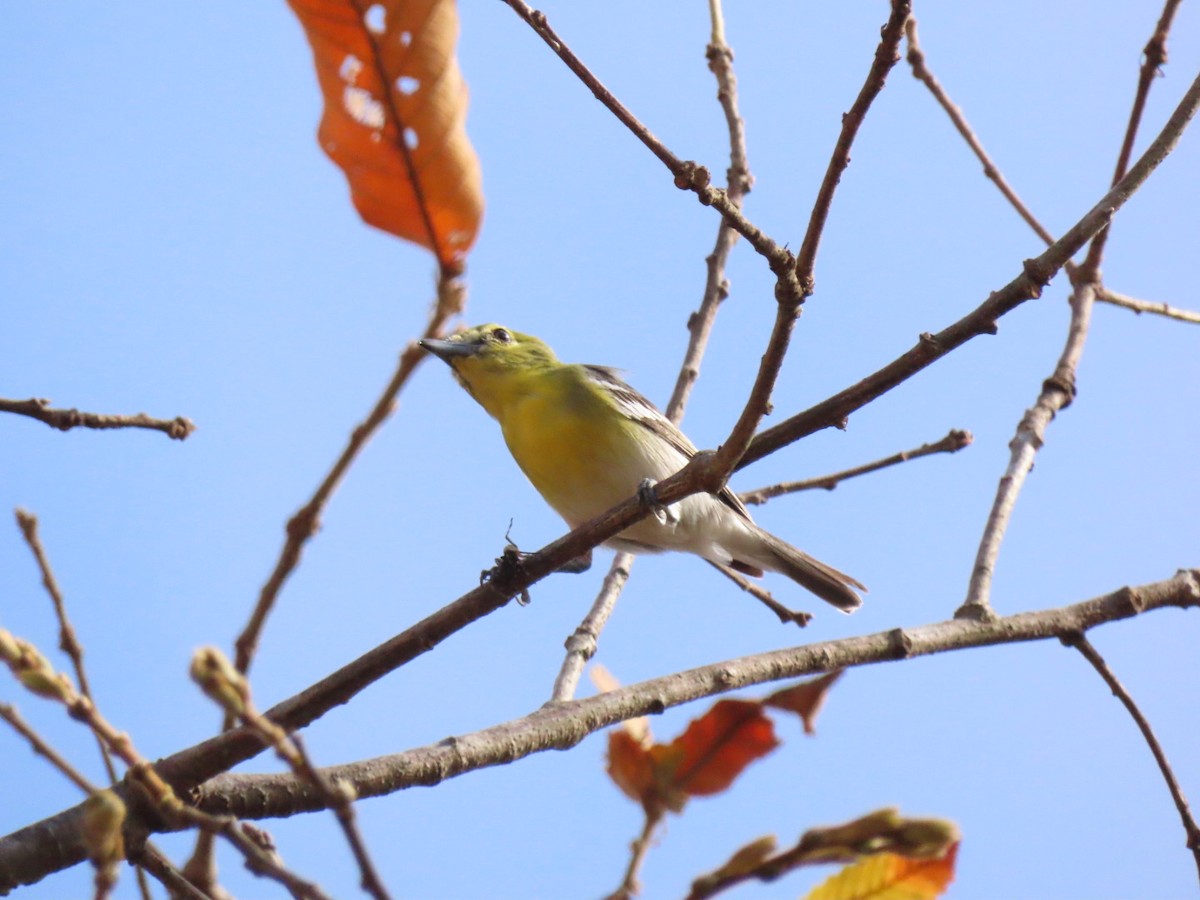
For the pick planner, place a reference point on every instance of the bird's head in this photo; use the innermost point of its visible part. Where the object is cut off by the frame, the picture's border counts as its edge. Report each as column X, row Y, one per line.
column 488, row 359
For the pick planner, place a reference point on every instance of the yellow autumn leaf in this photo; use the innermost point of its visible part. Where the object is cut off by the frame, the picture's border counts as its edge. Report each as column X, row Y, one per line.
column 887, row 876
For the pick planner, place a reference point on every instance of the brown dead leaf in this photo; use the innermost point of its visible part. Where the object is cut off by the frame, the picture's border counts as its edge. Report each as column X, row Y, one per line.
column 631, row 767
column 805, row 699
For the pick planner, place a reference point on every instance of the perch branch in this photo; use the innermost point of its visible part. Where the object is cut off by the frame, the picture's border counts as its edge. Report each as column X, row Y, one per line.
column 54, row 844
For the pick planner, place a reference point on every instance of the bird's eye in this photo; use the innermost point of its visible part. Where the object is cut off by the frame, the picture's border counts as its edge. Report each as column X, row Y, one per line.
column 503, row 335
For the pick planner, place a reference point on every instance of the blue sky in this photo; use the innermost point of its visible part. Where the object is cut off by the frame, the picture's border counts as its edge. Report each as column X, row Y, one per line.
column 176, row 243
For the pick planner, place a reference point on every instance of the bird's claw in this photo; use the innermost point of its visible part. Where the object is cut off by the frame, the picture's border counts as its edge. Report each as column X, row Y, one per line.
column 506, row 566
column 648, row 496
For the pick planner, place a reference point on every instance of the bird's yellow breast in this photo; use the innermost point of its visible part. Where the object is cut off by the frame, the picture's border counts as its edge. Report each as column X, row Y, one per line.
column 574, row 445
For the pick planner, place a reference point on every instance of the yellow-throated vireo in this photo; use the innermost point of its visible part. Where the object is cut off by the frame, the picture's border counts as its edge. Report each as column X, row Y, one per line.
column 587, row 441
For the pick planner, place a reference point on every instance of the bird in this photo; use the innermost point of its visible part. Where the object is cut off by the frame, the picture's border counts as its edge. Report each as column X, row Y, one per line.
column 587, row 441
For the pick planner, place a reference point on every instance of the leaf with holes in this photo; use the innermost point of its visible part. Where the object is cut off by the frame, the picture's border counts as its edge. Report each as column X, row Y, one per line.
column 394, row 119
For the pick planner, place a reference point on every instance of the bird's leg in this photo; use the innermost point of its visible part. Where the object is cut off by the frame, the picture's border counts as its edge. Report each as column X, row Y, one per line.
column 647, row 496
column 507, row 565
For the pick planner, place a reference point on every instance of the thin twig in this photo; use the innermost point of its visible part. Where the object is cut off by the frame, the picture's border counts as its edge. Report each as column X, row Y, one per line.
column 716, row 287
column 66, row 419
column 1190, row 828
column 304, row 524
column 341, row 797
column 230, row 688
column 886, row 56
column 920, row 71
column 688, row 176
column 1056, row 395
column 797, row 283
column 1037, row 272
column 1147, row 306
column 1155, row 55
column 581, row 645
column 35, row 673
column 763, row 596
column 152, row 860
column 1059, row 389
column 68, row 642
column 954, row 441
column 42, row 748
column 630, row 886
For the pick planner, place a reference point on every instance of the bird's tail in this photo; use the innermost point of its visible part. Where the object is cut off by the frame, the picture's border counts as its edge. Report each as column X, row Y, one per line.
column 832, row 586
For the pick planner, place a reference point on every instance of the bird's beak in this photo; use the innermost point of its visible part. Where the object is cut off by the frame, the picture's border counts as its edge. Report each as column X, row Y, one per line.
column 447, row 351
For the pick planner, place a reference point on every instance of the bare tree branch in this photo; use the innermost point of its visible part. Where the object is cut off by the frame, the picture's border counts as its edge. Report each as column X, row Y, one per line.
column 563, row 725
column 1081, row 643
column 43, row 748
column 54, row 844
column 954, row 441
column 982, row 320
column 689, row 176
column 630, row 886
column 304, row 524
column 886, row 56
column 1057, row 393
column 152, row 860
column 794, row 286
column 1155, row 54
column 66, row 419
column 1059, row 389
column 68, row 641
column 920, row 71
column 1147, row 306
column 581, row 645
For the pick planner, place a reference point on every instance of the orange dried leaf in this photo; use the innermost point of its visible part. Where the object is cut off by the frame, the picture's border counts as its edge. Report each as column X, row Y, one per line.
column 394, row 119
column 717, row 746
column 887, row 876
column 805, row 699
column 631, row 767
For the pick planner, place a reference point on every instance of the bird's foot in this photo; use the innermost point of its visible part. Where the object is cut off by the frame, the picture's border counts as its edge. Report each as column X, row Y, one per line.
column 648, row 496
column 508, row 565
